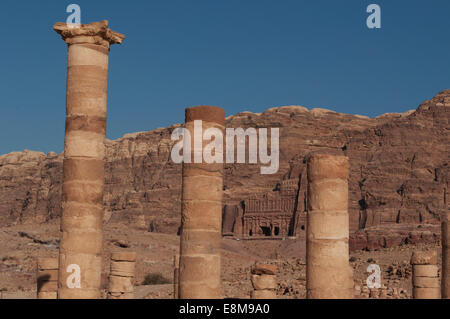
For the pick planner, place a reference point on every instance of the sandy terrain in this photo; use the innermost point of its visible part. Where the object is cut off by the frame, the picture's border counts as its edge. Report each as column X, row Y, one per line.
column 23, row 244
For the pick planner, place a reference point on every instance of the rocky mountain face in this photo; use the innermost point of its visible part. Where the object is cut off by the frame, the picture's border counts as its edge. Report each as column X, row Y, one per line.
column 399, row 169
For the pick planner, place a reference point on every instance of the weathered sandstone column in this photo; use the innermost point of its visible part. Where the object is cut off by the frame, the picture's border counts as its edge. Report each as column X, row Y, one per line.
column 445, row 240
column 82, row 193
column 264, row 281
column 47, row 278
column 201, row 214
column 121, row 276
column 328, row 272
column 176, row 275
column 426, row 283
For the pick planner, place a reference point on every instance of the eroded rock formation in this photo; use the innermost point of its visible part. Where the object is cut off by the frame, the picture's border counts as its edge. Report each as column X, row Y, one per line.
column 399, row 171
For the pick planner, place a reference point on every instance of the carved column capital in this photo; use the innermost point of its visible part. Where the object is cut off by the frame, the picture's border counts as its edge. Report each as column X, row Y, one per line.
column 93, row 33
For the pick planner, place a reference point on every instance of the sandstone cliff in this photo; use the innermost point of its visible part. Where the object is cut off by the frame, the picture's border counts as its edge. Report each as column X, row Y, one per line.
column 399, row 168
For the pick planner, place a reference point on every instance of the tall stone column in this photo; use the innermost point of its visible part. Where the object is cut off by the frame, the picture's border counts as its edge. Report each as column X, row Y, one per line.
column 328, row 272
column 47, row 278
column 201, row 213
column 426, row 283
column 82, row 193
column 264, row 281
column 121, row 276
column 445, row 240
column 176, row 276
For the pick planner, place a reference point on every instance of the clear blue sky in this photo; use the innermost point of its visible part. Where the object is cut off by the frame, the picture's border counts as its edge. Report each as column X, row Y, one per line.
column 241, row 55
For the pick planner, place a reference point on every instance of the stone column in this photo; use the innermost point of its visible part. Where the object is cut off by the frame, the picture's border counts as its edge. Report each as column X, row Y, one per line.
column 201, row 213
column 426, row 283
column 445, row 240
column 47, row 278
column 82, row 192
column 121, row 275
column 176, row 275
column 264, row 281
column 328, row 272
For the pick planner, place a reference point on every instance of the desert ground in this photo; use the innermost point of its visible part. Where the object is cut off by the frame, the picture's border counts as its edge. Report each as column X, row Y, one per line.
column 22, row 244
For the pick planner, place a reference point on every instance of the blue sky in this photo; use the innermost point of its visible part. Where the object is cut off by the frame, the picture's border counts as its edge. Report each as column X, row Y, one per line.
column 241, row 55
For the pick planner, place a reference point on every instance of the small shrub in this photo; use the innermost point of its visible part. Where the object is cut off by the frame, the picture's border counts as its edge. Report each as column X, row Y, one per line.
column 352, row 259
column 155, row 279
